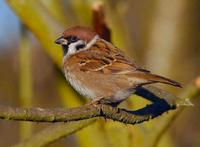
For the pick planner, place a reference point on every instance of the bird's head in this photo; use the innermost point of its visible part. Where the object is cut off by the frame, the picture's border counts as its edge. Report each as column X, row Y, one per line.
column 76, row 39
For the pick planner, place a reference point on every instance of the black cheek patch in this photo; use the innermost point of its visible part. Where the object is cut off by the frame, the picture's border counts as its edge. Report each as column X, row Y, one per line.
column 78, row 47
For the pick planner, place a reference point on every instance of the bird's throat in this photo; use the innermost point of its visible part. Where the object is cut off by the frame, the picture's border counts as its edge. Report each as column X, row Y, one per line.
column 65, row 49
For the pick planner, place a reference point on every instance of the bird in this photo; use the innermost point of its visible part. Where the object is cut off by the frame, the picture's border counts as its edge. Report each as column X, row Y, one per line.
column 98, row 70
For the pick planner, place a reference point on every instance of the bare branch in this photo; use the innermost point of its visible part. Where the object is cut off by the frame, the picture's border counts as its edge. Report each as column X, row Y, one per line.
column 162, row 101
column 85, row 112
column 55, row 132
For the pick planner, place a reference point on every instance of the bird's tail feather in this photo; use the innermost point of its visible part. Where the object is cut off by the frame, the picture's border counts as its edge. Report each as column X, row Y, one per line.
column 152, row 78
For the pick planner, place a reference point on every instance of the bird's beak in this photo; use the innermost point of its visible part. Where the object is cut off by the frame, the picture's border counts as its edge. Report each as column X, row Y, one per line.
column 61, row 40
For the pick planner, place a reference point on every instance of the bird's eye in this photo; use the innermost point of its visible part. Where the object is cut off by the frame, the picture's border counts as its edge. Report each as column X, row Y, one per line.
column 73, row 39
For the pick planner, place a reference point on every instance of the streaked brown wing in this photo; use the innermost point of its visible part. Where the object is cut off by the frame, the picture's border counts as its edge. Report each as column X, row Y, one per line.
column 106, row 58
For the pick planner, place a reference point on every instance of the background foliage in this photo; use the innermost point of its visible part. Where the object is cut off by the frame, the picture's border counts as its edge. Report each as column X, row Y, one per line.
column 162, row 36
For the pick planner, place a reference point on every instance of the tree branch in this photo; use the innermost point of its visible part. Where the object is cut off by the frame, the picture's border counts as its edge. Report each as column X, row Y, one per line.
column 162, row 102
column 85, row 112
column 55, row 132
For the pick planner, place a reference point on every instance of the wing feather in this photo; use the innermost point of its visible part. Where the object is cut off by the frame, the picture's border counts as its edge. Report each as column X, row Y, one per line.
column 106, row 58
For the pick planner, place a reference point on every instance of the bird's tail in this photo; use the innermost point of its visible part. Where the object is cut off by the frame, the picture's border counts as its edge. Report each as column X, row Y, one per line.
column 152, row 78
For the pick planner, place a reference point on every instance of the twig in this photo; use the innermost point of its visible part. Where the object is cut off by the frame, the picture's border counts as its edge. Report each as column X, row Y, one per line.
column 85, row 112
column 162, row 102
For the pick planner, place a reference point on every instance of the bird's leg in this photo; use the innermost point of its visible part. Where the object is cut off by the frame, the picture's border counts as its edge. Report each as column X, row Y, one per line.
column 96, row 103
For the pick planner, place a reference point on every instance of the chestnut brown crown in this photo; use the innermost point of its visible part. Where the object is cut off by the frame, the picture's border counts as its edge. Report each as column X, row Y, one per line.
column 83, row 33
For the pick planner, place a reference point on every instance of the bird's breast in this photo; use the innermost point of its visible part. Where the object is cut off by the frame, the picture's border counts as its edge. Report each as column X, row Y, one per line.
column 79, row 85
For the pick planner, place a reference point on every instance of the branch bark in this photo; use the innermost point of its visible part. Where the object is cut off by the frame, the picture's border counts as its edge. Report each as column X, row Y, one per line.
column 85, row 112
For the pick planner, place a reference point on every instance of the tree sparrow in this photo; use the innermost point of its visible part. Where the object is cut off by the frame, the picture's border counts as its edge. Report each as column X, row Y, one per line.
column 99, row 70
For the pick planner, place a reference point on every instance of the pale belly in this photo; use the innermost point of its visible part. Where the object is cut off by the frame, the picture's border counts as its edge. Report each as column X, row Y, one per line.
column 80, row 88
column 109, row 90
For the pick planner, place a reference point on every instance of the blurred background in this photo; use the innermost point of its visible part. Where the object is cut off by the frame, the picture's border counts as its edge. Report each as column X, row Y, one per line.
column 162, row 36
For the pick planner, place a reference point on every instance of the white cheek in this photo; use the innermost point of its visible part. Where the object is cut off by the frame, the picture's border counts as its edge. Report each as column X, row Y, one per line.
column 72, row 47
